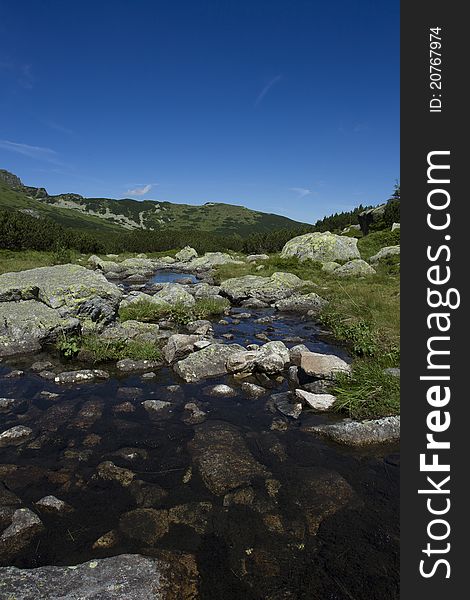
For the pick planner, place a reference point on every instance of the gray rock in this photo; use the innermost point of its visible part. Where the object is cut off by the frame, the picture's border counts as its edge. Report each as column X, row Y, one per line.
column 194, row 415
column 256, row 257
column 81, row 376
column 284, row 405
column 219, row 391
column 127, row 365
column 295, row 353
column 15, row 436
column 323, row 366
column 156, row 407
column 265, row 289
column 200, row 327
column 25, row 526
column 145, row 525
column 319, row 402
column 173, row 293
column 223, row 458
column 186, row 254
column 7, row 404
column 395, row 226
column 108, row 471
column 41, row 365
column 307, row 303
column 269, row 358
column 123, row 577
column 26, row 325
column 211, row 260
column 321, row 247
column 253, row 390
column 206, row 363
column 178, row 345
column 394, row 371
column 76, row 291
column 355, row 268
column 385, row 253
column 52, row 505
column 360, row 433
column 330, row 266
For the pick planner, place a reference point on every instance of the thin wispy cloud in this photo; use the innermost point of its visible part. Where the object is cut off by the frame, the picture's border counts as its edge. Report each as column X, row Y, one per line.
column 266, row 89
column 58, row 127
column 36, row 152
column 140, row 191
column 301, row 192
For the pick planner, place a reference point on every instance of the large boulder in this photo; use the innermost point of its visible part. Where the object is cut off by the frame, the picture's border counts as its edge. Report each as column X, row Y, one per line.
column 355, row 268
column 321, row 247
column 307, row 303
column 25, row 326
column 186, row 254
column 173, row 293
column 271, row 358
column 211, row 260
column 206, row 363
column 322, row 366
column 385, row 253
column 266, row 289
column 71, row 289
column 123, row 577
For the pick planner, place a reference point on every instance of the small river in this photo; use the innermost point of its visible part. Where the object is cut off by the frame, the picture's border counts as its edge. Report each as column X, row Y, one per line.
column 324, row 527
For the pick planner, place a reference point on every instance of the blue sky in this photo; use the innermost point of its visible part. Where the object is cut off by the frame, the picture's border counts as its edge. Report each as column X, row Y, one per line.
column 285, row 106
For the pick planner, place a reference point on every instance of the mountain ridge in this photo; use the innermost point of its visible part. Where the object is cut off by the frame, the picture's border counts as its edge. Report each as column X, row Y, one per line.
column 128, row 214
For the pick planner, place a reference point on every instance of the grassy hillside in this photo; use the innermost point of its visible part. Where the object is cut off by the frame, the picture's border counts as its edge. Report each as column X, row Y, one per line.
column 108, row 215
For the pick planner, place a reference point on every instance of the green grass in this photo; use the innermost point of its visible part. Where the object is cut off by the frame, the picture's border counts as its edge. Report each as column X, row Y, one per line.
column 12, row 261
column 369, row 392
column 371, row 243
column 93, row 348
column 178, row 313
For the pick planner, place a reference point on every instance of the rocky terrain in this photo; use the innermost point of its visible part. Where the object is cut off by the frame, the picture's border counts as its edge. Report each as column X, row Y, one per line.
column 165, row 434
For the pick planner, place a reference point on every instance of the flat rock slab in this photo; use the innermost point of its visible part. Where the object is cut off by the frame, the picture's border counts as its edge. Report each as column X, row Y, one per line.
column 223, row 458
column 323, row 366
column 360, row 433
column 206, row 363
column 124, row 577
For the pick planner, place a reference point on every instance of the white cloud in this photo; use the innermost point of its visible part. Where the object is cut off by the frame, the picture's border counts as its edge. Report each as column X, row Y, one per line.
column 266, row 88
column 37, row 152
column 301, row 192
column 140, row 191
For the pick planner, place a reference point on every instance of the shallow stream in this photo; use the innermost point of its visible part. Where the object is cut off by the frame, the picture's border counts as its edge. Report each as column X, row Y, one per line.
column 316, row 521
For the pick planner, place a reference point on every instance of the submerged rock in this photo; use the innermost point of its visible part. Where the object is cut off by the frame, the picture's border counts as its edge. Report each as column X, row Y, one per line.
column 360, row 433
column 25, row 526
column 284, row 405
column 220, row 391
column 321, row 247
column 15, row 436
column 145, row 525
column 223, row 458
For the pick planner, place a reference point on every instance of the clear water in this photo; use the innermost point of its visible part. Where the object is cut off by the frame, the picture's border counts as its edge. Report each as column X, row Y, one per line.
column 354, row 553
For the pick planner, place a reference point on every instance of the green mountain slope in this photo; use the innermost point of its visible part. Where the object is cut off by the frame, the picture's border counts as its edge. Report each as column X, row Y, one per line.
column 106, row 214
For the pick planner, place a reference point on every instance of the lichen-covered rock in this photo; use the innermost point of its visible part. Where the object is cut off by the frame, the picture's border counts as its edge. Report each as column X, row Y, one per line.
column 178, row 345
column 186, row 254
column 256, row 257
column 321, row 247
column 269, row 358
column 385, row 253
column 223, row 458
column 26, row 325
column 211, row 260
column 53, row 505
column 307, row 303
column 206, row 363
column 355, row 268
column 329, row 266
column 267, row 289
column 76, row 291
column 173, row 293
column 128, row 365
column 123, row 577
column 360, row 433
column 132, row 330
column 81, row 376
